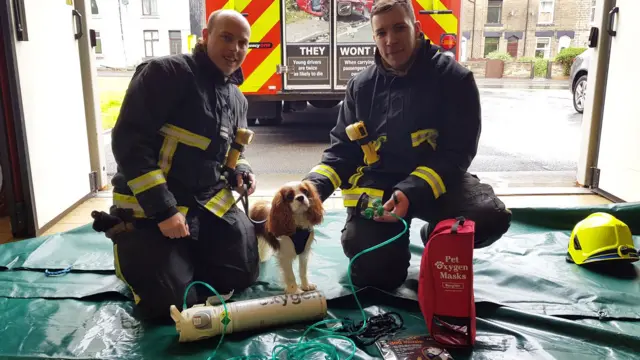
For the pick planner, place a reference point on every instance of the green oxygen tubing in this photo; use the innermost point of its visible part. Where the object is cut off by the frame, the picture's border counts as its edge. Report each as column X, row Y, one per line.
column 306, row 347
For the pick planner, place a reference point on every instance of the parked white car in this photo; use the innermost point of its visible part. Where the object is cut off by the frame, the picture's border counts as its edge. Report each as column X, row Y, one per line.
column 578, row 76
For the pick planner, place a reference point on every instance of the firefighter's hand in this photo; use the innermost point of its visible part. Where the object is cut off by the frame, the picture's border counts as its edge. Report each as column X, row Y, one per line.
column 398, row 204
column 175, row 227
column 240, row 182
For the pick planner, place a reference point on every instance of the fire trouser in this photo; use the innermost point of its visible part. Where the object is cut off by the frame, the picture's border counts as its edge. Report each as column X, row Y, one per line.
column 158, row 269
column 469, row 198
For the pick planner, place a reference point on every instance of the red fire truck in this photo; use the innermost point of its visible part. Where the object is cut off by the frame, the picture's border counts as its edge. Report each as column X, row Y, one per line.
column 304, row 51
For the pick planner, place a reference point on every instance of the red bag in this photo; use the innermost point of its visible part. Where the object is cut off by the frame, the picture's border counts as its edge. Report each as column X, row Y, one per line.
column 445, row 288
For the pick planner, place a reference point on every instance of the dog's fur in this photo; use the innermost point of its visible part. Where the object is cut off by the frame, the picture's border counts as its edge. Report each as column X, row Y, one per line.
column 295, row 205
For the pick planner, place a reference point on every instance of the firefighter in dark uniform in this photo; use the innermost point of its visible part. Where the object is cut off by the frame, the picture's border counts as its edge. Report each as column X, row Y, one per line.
column 420, row 111
column 179, row 117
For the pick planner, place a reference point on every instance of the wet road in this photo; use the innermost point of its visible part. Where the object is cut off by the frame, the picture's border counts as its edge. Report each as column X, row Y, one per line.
column 525, row 132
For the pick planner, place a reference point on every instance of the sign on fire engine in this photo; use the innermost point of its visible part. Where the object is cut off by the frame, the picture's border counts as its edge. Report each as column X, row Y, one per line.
column 352, row 59
column 308, row 64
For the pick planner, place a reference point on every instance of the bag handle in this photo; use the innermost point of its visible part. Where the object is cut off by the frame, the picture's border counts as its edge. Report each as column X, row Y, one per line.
column 459, row 222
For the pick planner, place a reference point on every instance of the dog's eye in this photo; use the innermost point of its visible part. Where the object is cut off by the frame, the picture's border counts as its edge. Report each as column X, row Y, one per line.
column 289, row 196
column 305, row 191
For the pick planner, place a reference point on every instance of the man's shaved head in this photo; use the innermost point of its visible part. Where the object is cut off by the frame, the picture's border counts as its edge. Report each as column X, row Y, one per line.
column 225, row 13
column 227, row 39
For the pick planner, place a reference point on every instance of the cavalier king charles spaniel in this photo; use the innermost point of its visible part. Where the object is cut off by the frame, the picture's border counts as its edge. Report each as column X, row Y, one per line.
column 285, row 228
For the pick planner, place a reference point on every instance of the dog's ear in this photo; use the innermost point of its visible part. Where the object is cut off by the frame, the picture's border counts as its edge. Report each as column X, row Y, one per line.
column 281, row 217
column 316, row 208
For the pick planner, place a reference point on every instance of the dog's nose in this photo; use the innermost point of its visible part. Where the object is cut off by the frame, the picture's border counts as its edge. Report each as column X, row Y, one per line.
column 300, row 198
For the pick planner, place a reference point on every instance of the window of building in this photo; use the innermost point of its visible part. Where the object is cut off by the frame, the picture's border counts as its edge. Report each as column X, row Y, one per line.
column 494, row 12
column 150, row 7
column 512, row 46
column 545, row 12
column 593, row 11
column 98, row 47
column 543, row 48
column 94, row 7
column 151, row 39
column 491, row 45
column 175, row 42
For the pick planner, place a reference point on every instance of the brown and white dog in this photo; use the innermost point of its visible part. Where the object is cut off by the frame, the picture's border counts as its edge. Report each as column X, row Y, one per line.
column 288, row 231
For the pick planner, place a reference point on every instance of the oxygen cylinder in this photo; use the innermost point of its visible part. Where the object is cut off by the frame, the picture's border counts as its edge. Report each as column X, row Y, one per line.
column 202, row 322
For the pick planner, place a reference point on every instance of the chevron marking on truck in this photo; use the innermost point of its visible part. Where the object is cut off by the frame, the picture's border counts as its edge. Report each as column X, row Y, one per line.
column 264, row 54
column 260, row 64
column 435, row 25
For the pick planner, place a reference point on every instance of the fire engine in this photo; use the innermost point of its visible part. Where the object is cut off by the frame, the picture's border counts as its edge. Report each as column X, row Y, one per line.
column 291, row 64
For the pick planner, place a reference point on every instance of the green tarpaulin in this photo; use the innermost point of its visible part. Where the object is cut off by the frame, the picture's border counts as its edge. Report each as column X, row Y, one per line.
column 531, row 303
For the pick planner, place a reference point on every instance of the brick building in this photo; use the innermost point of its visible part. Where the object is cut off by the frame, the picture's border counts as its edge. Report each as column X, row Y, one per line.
column 524, row 28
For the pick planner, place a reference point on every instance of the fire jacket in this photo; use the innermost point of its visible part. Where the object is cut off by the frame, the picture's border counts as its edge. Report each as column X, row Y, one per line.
column 425, row 127
column 177, row 121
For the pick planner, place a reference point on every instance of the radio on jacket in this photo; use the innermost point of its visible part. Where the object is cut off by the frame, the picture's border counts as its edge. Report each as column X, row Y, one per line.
column 445, row 289
column 358, row 132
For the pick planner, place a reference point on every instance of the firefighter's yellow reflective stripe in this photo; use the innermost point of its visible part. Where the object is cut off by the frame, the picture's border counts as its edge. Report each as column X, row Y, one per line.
column 432, row 178
column 353, row 179
column 448, row 22
column 329, row 172
column 119, row 275
column 379, row 141
column 128, row 202
column 263, row 72
column 350, row 196
column 183, row 209
column 243, row 162
column 167, row 151
column 147, row 181
column 185, row 136
column 428, row 135
column 221, row 202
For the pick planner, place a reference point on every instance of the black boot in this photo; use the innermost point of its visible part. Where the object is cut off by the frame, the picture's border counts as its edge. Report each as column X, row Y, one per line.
column 426, row 231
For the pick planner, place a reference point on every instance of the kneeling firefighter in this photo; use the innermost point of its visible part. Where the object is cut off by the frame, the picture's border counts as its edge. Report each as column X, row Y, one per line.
column 174, row 218
column 407, row 132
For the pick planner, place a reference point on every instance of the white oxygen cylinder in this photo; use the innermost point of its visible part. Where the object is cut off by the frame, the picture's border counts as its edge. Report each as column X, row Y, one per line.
column 202, row 322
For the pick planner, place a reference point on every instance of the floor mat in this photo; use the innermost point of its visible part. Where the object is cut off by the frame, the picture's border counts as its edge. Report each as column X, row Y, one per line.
column 520, row 281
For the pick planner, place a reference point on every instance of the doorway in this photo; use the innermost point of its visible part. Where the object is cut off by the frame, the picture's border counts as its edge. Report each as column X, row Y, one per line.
column 512, row 46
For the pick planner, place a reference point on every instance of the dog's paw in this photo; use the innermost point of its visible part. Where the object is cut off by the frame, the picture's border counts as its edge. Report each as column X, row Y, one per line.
column 308, row 287
column 293, row 289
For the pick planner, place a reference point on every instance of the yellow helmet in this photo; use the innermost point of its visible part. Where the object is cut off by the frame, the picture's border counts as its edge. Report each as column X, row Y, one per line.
column 601, row 237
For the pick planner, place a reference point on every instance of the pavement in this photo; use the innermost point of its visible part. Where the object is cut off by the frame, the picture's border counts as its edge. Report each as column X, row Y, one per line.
column 530, row 139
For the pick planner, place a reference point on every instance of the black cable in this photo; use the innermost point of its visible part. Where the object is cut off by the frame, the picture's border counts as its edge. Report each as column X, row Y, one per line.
column 244, row 198
column 377, row 327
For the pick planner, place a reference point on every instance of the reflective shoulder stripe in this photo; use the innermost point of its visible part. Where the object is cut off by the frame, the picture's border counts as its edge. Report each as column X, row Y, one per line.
column 185, row 136
column 147, row 181
column 329, row 172
column 432, row 178
column 128, row 202
column 350, row 196
column 428, row 135
column 221, row 202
